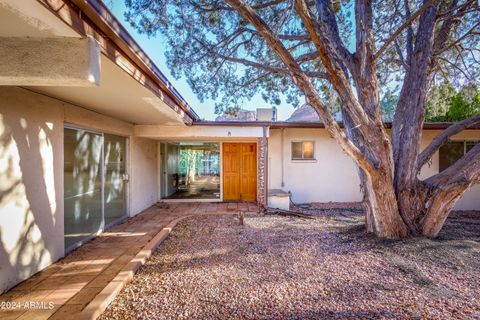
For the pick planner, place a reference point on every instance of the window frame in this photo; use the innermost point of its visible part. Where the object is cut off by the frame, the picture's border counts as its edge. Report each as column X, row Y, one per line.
column 303, row 150
column 464, row 142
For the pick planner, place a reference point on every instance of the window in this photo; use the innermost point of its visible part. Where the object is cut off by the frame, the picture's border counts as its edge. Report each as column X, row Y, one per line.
column 303, row 150
column 452, row 151
column 192, row 170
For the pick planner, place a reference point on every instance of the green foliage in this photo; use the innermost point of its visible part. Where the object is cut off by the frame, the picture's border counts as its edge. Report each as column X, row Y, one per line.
column 445, row 104
column 438, row 100
column 192, row 161
column 389, row 103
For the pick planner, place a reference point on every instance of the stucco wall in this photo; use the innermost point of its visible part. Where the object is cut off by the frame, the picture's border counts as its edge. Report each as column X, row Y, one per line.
column 144, row 172
column 332, row 176
column 31, row 184
column 31, row 177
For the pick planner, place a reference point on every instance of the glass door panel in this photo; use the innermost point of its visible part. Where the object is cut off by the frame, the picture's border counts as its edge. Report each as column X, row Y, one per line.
column 115, row 176
column 193, row 170
column 83, row 185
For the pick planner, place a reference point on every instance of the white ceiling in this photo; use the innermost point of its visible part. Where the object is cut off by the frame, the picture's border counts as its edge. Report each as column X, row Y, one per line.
column 119, row 96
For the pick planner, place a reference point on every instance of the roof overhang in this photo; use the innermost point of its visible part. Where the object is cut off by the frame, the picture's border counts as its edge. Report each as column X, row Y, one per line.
column 200, row 133
column 131, row 87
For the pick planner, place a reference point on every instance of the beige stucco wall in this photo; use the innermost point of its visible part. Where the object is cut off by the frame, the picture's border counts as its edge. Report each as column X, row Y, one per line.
column 199, row 133
column 332, row 176
column 144, row 186
column 31, row 184
column 31, row 177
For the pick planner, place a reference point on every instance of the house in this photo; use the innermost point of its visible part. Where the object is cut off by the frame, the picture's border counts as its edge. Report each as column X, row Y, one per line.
column 92, row 132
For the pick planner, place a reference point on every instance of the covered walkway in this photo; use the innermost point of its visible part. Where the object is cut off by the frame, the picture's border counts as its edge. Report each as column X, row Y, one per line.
column 82, row 284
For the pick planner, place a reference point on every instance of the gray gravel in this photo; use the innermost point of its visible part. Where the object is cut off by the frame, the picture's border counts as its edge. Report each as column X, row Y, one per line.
column 288, row 268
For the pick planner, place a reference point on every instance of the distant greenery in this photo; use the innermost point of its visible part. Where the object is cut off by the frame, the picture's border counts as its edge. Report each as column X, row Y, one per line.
column 389, row 102
column 446, row 104
column 193, row 162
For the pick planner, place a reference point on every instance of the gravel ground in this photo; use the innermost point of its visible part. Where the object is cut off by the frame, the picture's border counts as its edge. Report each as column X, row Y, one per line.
column 289, row 268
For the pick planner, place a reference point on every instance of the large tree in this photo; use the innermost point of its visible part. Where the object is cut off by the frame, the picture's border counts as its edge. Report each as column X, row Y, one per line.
column 234, row 49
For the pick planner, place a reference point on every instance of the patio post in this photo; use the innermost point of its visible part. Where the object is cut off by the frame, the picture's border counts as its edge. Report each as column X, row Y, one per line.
column 262, row 181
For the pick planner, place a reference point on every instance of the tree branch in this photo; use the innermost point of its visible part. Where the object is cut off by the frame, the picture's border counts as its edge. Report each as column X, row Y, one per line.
column 226, row 8
column 443, row 137
column 400, row 54
column 406, row 24
column 263, row 66
column 409, row 37
column 443, row 33
column 464, row 172
column 329, row 21
column 287, row 37
column 460, row 39
column 271, row 69
column 335, row 70
column 303, row 82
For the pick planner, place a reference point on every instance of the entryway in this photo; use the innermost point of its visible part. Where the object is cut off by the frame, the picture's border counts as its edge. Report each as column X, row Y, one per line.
column 239, row 171
column 75, row 284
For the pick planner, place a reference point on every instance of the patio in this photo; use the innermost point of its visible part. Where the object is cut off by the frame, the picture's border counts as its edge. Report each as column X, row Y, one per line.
column 82, row 283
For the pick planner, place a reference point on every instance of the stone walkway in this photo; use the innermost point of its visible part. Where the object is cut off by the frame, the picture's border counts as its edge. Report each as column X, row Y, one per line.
column 65, row 288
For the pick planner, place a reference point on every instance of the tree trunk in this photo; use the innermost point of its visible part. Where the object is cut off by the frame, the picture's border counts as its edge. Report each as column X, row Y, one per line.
column 437, row 210
column 397, row 204
column 383, row 204
column 367, row 208
column 353, row 135
column 379, row 200
column 408, row 122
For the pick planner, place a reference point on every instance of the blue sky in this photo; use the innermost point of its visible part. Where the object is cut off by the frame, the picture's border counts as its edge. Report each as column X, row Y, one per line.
column 155, row 48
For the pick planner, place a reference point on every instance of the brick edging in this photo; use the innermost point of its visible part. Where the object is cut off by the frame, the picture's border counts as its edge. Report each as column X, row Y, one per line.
column 99, row 304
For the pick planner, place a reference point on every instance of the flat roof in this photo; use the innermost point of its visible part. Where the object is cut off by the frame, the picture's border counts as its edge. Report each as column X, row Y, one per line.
column 288, row 124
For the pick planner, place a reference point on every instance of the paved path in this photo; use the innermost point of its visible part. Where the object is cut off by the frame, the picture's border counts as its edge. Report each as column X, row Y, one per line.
column 65, row 288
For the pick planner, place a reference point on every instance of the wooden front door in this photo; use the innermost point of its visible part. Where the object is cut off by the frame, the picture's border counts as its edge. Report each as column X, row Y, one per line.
column 239, row 171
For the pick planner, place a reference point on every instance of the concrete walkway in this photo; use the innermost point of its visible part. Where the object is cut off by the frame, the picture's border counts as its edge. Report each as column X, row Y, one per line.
column 82, row 283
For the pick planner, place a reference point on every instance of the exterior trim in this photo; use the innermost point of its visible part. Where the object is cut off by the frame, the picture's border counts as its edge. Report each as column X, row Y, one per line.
column 285, row 124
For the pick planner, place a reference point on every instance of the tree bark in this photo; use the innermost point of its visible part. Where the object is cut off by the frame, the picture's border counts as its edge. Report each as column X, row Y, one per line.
column 446, row 188
column 408, row 121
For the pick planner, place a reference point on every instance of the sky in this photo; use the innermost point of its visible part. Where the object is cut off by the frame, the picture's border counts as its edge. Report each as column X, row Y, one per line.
column 155, row 48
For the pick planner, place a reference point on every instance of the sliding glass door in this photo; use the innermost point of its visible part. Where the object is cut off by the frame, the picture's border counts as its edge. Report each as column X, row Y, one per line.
column 94, row 178
column 115, row 177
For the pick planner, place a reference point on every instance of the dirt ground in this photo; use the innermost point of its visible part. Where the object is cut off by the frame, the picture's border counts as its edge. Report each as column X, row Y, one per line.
column 276, row 267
